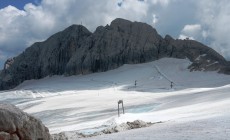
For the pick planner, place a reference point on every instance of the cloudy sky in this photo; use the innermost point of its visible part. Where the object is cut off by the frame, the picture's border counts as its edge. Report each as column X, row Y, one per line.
column 23, row 22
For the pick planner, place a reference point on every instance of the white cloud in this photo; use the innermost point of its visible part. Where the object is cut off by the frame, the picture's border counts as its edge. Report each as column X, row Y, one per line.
column 155, row 19
column 205, row 34
column 9, row 26
column 215, row 16
column 192, row 31
column 161, row 2
column 20, row 28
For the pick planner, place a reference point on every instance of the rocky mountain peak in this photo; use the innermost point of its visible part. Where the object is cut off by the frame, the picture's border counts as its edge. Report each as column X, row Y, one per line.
column 168, row 38
column 76, row 29
column 120, row 22
column 124, row 25
column 76, row 50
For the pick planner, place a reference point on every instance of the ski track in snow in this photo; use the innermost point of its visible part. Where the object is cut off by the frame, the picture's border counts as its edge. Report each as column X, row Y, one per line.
column 196, row 108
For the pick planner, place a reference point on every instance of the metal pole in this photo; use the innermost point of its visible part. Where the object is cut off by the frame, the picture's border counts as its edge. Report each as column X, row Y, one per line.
column 118, row 110
column 123, row 108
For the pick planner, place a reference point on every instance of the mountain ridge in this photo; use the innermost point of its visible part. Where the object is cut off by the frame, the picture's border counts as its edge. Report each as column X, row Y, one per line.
column 76, row 50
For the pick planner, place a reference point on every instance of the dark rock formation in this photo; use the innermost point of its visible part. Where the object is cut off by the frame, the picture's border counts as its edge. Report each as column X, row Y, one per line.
column 8, row 63
column 17, row 125
column 78, row 51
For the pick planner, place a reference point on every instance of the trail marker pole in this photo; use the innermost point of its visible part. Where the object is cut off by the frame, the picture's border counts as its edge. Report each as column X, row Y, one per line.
column 171, row 84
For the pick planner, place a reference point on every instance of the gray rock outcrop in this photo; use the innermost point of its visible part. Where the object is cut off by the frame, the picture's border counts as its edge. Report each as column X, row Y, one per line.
column 78, row 51
column 17, row 125
column 113, row 129
column 128, row 126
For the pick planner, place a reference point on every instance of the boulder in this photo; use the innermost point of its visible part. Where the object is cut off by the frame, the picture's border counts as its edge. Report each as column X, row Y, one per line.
column 18, row 125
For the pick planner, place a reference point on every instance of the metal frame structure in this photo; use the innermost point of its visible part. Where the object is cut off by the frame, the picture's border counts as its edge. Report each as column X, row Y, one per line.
column 120, row 102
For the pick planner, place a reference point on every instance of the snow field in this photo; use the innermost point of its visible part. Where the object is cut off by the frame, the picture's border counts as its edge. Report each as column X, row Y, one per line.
column 88, row 103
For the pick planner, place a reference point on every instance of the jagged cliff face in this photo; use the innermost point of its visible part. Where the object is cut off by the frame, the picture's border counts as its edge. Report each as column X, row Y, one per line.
column 78, row 51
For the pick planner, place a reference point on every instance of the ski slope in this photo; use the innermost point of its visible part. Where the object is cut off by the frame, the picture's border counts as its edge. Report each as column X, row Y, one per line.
column 197, row 107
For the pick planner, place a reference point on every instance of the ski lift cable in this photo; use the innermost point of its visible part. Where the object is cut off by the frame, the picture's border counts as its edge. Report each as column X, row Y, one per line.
column 161, row 73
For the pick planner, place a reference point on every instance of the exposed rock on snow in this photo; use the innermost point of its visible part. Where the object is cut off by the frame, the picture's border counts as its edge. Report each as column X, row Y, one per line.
column 122, row 127
column 60, row 136
column 18, row 125
column 127, row 126
column 78, row 51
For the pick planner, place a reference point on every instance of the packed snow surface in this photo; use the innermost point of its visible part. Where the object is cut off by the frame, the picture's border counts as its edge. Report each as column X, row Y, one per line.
column 196, row 107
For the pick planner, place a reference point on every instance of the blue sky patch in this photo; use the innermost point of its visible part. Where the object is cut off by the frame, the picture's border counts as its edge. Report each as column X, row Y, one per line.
column 18, row 3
